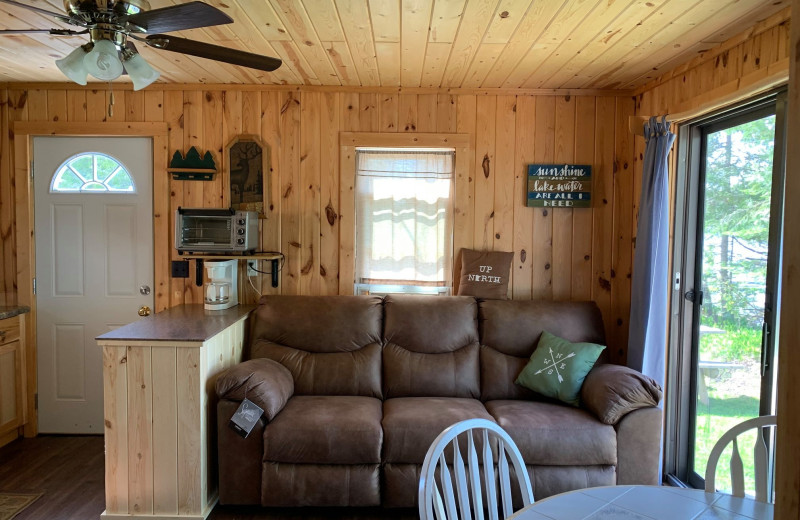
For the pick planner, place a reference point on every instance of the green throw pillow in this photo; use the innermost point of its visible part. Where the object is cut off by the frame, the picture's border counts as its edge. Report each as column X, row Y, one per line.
column 558, row 367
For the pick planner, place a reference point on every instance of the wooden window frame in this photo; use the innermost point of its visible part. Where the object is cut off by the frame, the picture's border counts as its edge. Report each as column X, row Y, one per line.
column 464, row 145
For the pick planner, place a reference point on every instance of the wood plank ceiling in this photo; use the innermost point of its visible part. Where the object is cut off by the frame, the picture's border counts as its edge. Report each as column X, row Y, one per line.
column 588, row 44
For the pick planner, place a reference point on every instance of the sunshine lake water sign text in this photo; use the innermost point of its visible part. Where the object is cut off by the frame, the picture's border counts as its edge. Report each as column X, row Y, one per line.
column 560, row 185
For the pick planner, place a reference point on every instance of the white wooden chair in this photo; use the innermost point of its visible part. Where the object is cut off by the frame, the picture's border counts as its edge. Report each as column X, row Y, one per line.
column 458, row 492
column 760, row 457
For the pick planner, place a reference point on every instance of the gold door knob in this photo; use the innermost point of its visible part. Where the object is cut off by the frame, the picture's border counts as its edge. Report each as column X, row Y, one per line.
column 144, row 310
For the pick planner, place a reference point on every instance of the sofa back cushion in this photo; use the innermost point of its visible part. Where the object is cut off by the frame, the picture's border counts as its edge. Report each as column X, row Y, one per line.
column 510, row 331
column 430, row 346
column 330, row 344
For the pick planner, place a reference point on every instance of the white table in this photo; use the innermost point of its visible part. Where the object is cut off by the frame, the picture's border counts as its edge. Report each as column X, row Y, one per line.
column 644, row 503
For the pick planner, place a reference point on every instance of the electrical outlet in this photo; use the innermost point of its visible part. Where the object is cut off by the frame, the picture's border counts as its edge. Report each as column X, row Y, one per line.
column 180, row 269
column 251, row 268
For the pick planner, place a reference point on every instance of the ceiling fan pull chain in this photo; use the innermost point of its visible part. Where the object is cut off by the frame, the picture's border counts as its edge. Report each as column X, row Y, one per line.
column 110, row 100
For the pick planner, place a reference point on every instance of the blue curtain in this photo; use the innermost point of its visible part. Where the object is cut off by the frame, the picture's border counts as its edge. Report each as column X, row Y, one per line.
column 647, row 340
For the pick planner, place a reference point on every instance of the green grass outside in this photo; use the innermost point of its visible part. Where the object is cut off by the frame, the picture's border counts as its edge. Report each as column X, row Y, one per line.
column 732, row 396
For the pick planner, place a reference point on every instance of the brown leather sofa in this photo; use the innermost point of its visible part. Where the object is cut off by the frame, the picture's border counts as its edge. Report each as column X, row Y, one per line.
column 355, row 389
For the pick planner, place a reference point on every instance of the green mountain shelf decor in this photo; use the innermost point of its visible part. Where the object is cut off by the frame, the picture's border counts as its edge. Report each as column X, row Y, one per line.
column 192, row 167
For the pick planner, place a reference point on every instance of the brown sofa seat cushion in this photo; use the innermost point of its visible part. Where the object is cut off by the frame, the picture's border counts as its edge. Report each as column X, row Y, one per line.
column 431, row 346
column 411, row 424
column 326, row 430
column 552, row 434
column 330, row 344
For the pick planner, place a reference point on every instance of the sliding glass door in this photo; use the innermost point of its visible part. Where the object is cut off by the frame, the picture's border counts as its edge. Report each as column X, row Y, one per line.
column 725, row 298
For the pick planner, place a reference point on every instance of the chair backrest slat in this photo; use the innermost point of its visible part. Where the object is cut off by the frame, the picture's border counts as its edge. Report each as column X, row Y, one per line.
column 447, row 488
column 474, row 477
column 457, row 493
column 761, row 461
column 505, row 479
column 461, row 481
column 760, row 458
column 737, row 471
column 488, row 476
column 438, row 505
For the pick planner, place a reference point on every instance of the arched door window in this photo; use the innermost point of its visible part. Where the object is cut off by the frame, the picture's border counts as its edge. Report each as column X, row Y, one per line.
column 92, row 172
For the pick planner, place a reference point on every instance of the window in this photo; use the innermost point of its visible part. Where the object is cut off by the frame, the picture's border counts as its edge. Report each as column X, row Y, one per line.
column 92, row 173
column 404, row 220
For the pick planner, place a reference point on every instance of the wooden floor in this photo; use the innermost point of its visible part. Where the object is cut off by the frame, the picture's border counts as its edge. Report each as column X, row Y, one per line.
column 69, row 471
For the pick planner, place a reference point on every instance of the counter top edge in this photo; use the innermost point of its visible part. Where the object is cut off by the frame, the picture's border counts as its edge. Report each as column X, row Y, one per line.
column 183, row 323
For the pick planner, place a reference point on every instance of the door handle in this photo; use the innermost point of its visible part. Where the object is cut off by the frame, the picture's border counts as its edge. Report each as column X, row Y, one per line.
column 144, row 310
column 764, row 347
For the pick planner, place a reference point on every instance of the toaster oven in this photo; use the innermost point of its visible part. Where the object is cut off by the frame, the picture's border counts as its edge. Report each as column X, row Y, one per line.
column 208, row 230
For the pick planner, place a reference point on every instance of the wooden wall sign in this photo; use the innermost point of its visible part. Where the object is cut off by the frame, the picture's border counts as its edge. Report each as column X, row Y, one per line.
column 559, row 186
column 247, row 159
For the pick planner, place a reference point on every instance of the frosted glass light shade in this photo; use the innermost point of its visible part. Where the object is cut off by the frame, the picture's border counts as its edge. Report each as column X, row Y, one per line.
column 141, row 73
column 72, row 66
column 103, row 62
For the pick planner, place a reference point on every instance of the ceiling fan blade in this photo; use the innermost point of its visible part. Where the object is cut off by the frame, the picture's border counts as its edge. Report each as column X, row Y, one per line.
column 213, row 52
column 177, row 18
column 58, row 16
column 55, row 32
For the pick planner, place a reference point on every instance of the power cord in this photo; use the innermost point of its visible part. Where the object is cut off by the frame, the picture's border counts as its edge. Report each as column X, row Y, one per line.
column 251, row 265
column 280, row 267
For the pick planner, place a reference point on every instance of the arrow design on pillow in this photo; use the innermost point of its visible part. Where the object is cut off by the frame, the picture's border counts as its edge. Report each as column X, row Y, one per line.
column 553, row 364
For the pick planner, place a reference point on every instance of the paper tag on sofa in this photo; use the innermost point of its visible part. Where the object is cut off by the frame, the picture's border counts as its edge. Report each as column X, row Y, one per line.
column 245, row 418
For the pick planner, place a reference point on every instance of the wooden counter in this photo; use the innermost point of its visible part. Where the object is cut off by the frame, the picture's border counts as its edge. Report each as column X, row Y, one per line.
column 160, row 410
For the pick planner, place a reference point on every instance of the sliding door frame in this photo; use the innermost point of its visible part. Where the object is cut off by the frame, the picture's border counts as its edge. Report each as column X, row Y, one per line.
column 684, row 314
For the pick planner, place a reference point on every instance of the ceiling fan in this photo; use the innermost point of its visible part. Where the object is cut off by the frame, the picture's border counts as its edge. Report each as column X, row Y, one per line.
column 112, row 24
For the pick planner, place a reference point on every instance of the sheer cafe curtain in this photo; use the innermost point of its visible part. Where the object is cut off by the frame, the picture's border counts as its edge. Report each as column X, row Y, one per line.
column 404, row 217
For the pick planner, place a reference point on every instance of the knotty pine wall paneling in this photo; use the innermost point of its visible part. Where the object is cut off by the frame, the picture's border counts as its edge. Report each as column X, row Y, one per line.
column 753, row 61
column 558, row 253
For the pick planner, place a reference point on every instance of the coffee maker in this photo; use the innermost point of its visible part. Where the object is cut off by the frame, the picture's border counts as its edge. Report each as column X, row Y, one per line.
column 221, row 289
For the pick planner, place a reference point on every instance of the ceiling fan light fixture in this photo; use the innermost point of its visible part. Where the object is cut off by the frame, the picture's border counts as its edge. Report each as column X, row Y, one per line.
column 140, row 72
column 73, row 65
column 103, row 61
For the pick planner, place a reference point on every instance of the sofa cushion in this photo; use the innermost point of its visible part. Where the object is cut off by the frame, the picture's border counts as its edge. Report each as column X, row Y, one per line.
column 318, row 323
column 357, row 372
column 411, row 424
column 330, row 344
column 411, row 374
column 552, row 434
column 498, row 372
column 431, row 346
column 513, row 327
column 326, row 430
column 510, row 331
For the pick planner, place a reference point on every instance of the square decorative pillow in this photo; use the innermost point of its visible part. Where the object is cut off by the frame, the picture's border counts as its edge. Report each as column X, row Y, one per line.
column 558, row 367
column 484, row 274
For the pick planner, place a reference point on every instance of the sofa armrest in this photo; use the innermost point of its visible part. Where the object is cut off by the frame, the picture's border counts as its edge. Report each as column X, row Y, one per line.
column 265, row 382
column 611, row 391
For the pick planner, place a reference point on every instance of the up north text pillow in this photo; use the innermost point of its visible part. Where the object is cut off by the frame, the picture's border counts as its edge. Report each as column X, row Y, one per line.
column 484, row 274
column 558, row 367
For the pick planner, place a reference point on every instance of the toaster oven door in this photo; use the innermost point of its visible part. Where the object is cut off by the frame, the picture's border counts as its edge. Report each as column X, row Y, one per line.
column 206, row 232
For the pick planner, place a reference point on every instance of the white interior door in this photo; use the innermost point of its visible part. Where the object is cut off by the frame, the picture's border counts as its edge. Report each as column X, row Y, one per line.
column 94, row 265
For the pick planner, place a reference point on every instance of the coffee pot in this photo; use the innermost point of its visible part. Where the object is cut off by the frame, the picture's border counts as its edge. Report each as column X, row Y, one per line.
column 221, row 289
